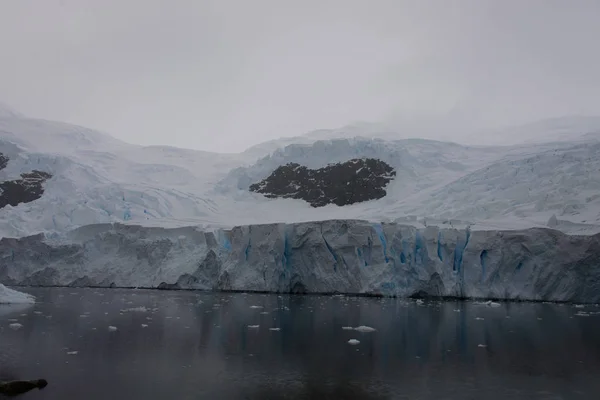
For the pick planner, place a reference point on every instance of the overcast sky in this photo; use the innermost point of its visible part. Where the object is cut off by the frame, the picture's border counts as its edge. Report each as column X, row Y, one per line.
column 225, row 74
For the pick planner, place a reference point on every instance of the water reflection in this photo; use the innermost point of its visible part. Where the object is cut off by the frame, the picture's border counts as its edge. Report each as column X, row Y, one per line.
column 200, row 346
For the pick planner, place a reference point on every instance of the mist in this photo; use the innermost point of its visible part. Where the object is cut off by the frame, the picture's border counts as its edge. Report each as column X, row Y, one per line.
column 223, row 75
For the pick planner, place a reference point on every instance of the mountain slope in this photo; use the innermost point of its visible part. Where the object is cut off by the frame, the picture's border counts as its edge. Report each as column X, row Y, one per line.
column 99, row 179
column 562, row 181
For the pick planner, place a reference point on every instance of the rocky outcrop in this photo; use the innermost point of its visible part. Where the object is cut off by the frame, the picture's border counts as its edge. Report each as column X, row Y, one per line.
column 340, row 256
column 25, row 190
column 345, row 183
column 3, row 161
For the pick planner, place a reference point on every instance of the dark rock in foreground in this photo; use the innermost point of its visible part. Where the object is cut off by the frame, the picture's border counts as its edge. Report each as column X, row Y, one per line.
column 342, row 184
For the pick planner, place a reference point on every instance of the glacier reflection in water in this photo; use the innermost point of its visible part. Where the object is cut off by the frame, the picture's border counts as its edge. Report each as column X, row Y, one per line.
column 180, row 345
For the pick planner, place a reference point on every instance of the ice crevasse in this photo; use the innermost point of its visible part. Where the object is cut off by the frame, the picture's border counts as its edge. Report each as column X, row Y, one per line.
column 336, row 256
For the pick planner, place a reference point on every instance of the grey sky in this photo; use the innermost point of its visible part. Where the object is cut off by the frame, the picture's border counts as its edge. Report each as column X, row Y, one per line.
column 225, row 74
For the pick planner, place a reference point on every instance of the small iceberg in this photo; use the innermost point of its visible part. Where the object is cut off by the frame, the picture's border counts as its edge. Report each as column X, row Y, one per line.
column 364, row 329
column 275, row 329
column 112, row 328
column 347, row 328
column 10, row 296
column 144, row 325
column 15, row 326
column 253, row 326
column 135, row 309
column 482, row 345
column 72, row 353
column 353, row 342
column 256, row 307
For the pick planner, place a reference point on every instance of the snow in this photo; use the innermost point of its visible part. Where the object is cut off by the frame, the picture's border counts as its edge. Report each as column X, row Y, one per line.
column 99, row 179
column 10, row 296
column 457, row 218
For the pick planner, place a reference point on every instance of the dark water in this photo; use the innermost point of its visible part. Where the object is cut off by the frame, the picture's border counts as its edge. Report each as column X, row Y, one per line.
column 205, row 350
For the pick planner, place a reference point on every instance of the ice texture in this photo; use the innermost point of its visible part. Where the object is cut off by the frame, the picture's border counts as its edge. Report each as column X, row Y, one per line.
column 10, row 296
column 335, row 256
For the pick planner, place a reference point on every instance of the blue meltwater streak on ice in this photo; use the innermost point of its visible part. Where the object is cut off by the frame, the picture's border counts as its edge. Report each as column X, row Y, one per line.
column 379, row 230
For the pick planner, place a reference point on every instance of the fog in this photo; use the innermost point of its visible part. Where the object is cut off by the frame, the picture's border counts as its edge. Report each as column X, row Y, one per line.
column 222, row 75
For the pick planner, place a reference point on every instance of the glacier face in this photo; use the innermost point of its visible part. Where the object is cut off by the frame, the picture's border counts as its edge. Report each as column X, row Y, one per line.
column 335, row 256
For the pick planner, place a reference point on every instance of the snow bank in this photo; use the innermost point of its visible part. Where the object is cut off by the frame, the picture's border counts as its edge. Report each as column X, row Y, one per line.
column 342, row 256
column 10, row 296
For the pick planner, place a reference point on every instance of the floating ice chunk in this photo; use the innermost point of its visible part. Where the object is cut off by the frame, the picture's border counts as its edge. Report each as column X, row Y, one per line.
column 144, row 325
column 347, row 328
column 582, row 314
column 15, row 326
column 10, row 296
column 72, row 353
column 256, row 307
column 482, row 345
column 353, row 342
column 457, row 310
column 264, row 312
column 112, row 328
column 579, row 306
column 274, row 329
column 493, row 304
column 253, row 326
column 479, row 318
column 135, row 309
column 37, row 312
column 364, row 328
column 420, row 302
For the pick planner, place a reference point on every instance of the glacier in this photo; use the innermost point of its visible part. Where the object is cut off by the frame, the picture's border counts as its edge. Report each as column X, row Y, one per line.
column 333, row 256
column 98, row 179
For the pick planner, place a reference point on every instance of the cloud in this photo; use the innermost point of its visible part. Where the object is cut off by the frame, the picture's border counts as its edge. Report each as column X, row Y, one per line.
column 223, row 75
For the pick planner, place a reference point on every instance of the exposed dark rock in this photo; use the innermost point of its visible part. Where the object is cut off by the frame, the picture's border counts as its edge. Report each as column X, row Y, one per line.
column 25, row 190
column 15, row 388
column 350, row 182
column 3, row 161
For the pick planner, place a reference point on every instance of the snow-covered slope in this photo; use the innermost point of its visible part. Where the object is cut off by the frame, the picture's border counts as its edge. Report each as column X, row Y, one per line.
column 99, row 179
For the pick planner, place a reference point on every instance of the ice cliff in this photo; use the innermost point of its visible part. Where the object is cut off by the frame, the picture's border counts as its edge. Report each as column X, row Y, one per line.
column 337, row 256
